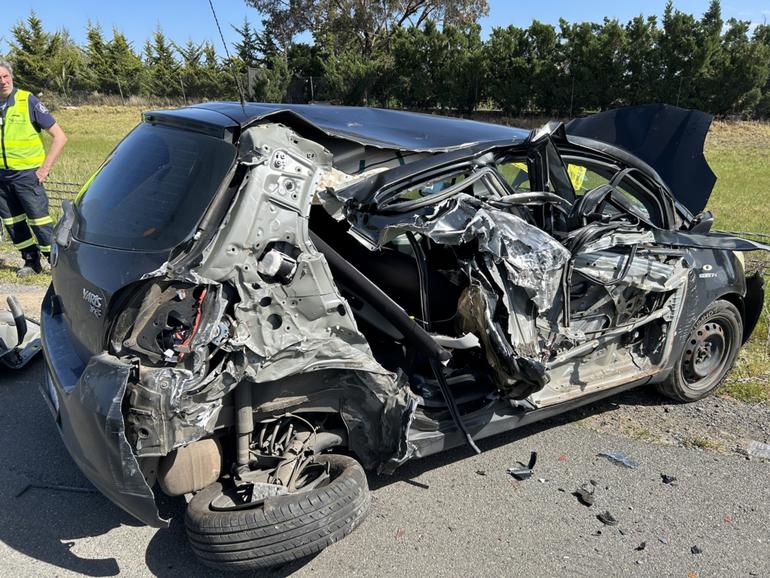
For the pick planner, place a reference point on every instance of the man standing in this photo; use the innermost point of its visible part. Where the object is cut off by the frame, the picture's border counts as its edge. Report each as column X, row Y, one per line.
column 24, row 167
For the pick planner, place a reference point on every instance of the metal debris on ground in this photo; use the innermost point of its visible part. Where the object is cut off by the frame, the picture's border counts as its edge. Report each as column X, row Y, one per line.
column 522, row 472
column 619, row 458
column 667, row 479
column 759, row 450
column 585, row 494
column 696, row 550
column 663, row 540
column 481, row 472
column 607, row 519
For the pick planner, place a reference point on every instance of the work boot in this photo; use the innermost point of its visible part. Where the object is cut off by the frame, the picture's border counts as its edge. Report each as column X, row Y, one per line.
column 31, row 266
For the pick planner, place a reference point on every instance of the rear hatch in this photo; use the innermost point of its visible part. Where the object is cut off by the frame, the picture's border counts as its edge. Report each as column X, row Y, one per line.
column 146, row 199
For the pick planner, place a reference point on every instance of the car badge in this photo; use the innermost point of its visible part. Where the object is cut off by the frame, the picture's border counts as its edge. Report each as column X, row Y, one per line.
column 95, row 302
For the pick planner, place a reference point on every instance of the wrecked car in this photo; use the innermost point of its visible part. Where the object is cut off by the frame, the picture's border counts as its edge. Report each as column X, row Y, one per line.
column 253, row 304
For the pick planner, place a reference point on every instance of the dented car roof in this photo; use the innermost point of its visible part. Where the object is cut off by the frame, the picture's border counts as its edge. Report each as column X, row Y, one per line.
column 392, row 129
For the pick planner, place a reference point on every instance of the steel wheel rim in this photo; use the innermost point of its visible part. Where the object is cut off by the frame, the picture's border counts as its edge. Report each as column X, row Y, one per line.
column 706, row 352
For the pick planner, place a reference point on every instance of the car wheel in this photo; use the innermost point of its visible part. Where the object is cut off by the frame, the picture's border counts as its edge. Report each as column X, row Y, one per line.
column 282, row 528
column 708, row 355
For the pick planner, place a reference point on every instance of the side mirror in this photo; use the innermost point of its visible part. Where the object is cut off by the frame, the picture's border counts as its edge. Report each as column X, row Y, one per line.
column 702, row 222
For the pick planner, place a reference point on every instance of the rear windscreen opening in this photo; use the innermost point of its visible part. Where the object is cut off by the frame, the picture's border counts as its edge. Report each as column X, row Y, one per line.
column 153, row 189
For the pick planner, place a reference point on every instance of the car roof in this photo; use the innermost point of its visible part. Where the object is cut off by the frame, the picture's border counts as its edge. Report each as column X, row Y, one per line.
column 381, row 128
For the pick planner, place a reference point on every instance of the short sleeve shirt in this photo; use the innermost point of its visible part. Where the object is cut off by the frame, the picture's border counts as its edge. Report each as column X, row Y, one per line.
column 41, row 118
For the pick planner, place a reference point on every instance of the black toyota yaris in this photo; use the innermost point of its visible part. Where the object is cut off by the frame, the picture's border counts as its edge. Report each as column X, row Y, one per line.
column 252, row 304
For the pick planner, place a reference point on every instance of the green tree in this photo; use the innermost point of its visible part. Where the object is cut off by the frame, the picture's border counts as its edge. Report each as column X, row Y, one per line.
column 642, row 68
column 125, row 65
column 65, row 66
column 418, row 60
column 95, row 53
column 762, row 38
column 272, row 81
column 579, row 48
column 738, row 72
column 247, row 49
column 610, row 65
column 505, row 55
column 463, row 71
column 32, row 52
column 190, row 70
column 545, row 63
column 350, row 76
column 161, row 67
column 686, row 47
column 335, row 24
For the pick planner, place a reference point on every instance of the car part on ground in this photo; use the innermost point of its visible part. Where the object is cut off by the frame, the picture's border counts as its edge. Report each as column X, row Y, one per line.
column 19, row 336
column 383, row 290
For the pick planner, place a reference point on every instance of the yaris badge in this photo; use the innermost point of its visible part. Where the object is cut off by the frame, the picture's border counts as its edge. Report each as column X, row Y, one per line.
column 94, row 302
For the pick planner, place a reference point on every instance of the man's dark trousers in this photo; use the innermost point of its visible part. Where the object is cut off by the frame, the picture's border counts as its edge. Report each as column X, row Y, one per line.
column 24, row 211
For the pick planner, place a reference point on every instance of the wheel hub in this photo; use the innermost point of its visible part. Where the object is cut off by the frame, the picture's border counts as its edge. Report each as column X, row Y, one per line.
column 704, row 351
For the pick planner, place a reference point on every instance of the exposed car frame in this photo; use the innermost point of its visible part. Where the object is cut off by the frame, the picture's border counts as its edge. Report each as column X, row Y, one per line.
column 304, row 314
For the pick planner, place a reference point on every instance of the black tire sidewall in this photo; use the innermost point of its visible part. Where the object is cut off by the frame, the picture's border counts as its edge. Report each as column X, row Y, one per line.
column 719, row 309
column 341, row 504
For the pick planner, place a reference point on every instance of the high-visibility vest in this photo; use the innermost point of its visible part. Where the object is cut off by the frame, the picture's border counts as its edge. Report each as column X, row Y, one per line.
column 22, row 147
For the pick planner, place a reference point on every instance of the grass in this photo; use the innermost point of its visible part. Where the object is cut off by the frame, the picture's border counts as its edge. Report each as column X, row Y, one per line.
column 704, row 443
column 738, row 152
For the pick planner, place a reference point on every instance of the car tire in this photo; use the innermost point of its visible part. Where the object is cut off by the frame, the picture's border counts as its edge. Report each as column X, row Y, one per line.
column 284, row 528
column 708, row 355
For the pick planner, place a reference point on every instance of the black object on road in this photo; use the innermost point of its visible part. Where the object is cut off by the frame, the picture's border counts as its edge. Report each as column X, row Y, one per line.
column 607, row 519
column 585, row 494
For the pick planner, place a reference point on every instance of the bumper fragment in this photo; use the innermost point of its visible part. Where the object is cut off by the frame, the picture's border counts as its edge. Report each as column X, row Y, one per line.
column 87, row 406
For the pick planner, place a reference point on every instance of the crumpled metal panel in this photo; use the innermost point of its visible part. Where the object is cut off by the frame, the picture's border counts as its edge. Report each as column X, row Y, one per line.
column 643, row 273
column 532, row 258
column 282, row 327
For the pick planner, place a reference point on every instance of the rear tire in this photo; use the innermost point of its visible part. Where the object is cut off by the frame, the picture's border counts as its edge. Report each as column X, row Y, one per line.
column 708, row 355
column 284, row 528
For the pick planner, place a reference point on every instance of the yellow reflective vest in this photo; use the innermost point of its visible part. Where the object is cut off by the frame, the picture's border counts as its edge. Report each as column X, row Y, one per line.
column 22, row 147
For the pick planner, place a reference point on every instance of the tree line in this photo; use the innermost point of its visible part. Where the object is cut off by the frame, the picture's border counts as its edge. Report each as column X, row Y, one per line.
column 422, row 54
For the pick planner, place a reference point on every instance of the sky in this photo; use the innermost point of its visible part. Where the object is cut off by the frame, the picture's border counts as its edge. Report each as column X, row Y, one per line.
column 191, row 19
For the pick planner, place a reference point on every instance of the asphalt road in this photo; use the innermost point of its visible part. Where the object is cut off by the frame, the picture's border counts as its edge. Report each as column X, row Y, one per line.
column 450, row 515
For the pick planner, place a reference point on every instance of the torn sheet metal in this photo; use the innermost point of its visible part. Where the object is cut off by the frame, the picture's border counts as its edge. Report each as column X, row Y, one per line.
column 532, row 258
column 707, row 241
column 377, row 409
column 646, row 274
column 289, row 318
